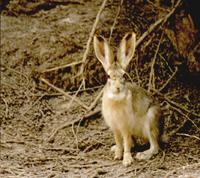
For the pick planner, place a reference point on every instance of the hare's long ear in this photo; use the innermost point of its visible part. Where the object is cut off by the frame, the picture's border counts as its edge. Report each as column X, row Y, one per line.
column 126, row 49
column 103, row 51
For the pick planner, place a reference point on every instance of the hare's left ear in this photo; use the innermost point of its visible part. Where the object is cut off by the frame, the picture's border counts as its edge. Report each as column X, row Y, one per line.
column 103, row 52
column 126, row 49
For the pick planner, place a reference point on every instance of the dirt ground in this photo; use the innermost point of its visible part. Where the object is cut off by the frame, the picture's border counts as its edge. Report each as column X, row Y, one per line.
column 37, row 36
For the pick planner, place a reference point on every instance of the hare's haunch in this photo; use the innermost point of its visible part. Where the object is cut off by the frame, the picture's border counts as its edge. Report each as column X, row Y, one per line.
column 128, row 110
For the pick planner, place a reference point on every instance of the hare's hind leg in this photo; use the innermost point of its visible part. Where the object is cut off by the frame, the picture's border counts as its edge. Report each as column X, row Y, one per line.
column 118, row 148
column 152, row 133
column 154, row 147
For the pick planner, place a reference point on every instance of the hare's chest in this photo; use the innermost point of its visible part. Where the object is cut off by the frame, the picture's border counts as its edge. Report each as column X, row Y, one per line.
column 118, row 115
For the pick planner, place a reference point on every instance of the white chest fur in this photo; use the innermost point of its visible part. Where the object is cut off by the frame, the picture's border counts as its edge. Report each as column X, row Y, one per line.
column 118, row 114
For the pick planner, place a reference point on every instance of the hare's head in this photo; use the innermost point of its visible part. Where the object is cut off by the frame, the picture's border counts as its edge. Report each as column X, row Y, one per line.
column 115, row 65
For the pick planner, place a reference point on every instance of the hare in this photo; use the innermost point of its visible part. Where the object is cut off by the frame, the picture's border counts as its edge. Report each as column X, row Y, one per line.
column 128, row 109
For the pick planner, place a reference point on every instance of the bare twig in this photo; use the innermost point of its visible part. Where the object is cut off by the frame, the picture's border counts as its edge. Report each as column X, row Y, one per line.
column 64, row 93
column 31, row 106
column 62, row 66
column 166, row 63
column 8, row 85
column 172, row 133
column 75, row 136
column 91, row 165
column 115, row 20
column 151, row 84
column 186, row 116
column 92, row 113
column 6, row 105
column 19, row 73
column 178, row 106
column 181, row 107
column 137, row 73
column 130, row 78
column 74, row 96
column 170, row 78
column 86, row 89
column 170, row 173
column 90, row 38
column 152, row 27
column 136, row 170
column 59, row 149
column 93, row 104
column 187, row 135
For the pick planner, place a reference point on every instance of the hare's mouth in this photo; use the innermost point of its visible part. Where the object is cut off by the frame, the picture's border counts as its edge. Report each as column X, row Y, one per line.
column 117, row 95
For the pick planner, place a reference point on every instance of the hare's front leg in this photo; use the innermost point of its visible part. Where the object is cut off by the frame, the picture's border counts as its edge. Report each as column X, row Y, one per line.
column 128, row 159
column 118, row 148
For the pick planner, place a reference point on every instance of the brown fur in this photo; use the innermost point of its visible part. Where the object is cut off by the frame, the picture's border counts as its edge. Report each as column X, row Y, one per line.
column 128, row 110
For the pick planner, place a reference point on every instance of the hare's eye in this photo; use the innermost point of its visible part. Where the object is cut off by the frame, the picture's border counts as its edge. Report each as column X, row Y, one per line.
column 108, row 77
column 122, row 80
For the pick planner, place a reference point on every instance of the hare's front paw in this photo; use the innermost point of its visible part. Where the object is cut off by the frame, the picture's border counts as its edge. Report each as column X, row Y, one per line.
column 145, row 155
column 118, row 152
column 128, row 159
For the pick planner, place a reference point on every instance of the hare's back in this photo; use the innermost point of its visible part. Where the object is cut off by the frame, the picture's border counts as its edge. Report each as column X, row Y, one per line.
column 141, row 100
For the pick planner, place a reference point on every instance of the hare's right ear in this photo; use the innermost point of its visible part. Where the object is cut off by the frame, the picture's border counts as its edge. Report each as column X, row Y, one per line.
column 126, row 49
column 103, row 51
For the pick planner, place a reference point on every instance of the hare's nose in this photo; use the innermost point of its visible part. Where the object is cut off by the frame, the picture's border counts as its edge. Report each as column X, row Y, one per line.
column 118, row 89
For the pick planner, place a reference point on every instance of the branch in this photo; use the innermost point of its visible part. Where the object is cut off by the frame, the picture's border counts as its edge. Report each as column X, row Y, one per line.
column 178, row 106
column 115, row 20
column 64, row 93
column 87, row 116
column 152, row 27
column 63, row 66
column 151, row 84
column 91, row 36
column 169, row 79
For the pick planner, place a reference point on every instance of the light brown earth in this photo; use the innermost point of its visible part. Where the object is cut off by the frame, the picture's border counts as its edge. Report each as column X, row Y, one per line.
column 37, row 36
